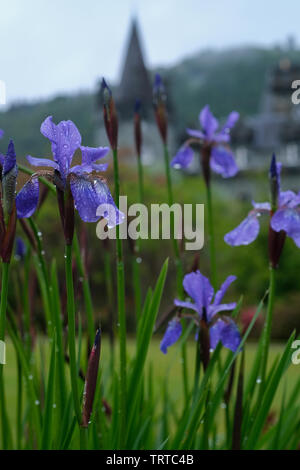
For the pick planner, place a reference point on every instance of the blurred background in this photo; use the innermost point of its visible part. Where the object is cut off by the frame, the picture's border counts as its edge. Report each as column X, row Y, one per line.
column 234, row 55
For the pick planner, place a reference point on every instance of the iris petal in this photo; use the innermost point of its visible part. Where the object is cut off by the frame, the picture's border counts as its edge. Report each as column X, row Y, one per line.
column 172, row 334
column 41, row 162
column 65, row 139
column 188, row 305
column 199, row 289
column 183, row 158
column 90, row 154
column 245, row 233
column 208, row 122
column 223, row 163
column 27, row 199
column 90, row 193
column 289, row 221
column 227, row 332
column 195, row 133
column 222, row 291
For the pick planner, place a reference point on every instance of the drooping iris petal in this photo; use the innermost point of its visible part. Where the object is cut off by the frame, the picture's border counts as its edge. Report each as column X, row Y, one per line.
column 199, row 289
column 88, row 168
column 223, row 163
column 27, row 199
column 91, row 154
column 222, row 291
column 65, row 139
column 288, row 198
column 90, row 193
column 172, row 334
column 245, row 233
column 183, row 158
column 208, row 122
column 1, row 133
column 195, row 133
column 188, row 305
column 289, row 221
column 227, row 332
column 214, row 309
column 42, row 162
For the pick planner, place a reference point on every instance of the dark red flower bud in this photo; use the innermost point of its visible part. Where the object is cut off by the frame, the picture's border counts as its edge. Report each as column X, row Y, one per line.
column 159, row 103
column 205, row 163
column 9, row 238
column 91, row 381
column 276, row 244
column 110, row 116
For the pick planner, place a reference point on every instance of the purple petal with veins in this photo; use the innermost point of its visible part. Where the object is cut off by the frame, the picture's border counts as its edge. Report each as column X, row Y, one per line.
column 289, row 221
column 223, row 163
column 42, row 162
column 208, row 122
column 27, row 199
column 223, row 289
column 245, row 233
column 172, row 334
column 183, row 158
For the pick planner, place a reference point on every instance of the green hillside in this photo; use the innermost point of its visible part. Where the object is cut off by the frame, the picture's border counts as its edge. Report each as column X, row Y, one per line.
column 229, row 79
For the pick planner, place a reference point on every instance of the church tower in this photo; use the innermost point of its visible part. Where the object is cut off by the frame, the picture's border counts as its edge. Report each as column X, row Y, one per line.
column 135, row 81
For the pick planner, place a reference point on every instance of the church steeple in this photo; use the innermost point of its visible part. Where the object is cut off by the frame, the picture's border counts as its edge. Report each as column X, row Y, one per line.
column 135, row 81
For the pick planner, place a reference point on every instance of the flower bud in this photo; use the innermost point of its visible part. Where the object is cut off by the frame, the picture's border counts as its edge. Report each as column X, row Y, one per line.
column 110, row 116
column 159, row 103
column 91, row 381
column 9, row 179
column 205, row 163
column 274, row 182
column 276, row 244
column 9, row 237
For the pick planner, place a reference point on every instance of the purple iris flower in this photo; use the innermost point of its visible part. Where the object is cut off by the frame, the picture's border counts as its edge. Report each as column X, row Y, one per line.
column 89, row 190
column 207, row 306
column 1, row 133
column 27, row 196
column 285, row 217
column 221, row 159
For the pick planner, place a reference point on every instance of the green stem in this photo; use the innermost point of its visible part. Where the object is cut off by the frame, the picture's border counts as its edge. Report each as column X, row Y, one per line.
column 211, row 237
column 3, row 307
column 179, row 266
column 178, row 262
column 121, row 310
column 141, row 180
column 72, row 331
column 267, row 327
column 86, row 291
column 135, row 265
column 83, row 438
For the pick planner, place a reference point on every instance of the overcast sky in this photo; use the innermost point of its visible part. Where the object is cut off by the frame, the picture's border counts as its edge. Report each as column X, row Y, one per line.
column 52, row 46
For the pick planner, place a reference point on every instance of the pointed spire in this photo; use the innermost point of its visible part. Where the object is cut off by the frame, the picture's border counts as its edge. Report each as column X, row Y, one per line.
column 135, row 81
